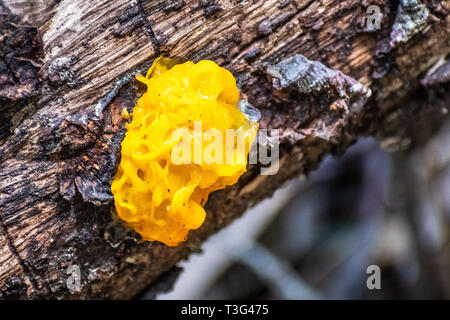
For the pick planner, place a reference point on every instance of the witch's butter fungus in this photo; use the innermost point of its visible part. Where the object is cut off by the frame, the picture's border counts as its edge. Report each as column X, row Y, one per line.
column 160, row 198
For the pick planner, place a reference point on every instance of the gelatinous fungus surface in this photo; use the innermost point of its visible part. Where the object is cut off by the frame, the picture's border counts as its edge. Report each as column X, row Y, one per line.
column 189, row 112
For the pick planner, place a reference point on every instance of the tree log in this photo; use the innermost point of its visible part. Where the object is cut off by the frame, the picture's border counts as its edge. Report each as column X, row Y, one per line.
column 67, row 69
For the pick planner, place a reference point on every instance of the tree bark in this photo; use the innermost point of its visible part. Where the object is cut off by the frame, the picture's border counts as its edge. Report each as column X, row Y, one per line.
column 67, row 69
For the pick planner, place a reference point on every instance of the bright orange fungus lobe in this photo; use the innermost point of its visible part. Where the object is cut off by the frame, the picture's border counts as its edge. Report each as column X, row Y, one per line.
column 159, row 197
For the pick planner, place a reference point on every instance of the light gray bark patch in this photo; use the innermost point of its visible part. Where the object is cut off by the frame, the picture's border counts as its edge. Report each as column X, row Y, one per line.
column 329, row 98
column 411, row 18
column 312, row 76
column 250, row 112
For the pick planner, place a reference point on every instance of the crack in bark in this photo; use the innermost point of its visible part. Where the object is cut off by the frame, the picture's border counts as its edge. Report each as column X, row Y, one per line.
column 261, row 35
column 16, row 255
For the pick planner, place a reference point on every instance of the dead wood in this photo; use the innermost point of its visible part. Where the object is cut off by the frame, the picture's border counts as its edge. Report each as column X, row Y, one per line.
column 67, row 68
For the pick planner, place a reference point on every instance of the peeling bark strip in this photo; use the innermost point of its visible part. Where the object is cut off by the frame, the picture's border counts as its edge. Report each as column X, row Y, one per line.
column 148, row 28
column 312, row 76
column 344, row 96
column 61, row 129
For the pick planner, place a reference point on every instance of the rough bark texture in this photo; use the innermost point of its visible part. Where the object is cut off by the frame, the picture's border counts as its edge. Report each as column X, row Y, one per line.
column 67, row 69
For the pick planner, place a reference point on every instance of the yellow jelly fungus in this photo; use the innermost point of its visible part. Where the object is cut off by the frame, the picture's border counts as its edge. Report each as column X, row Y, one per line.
column 158, row 196
column 125, row 114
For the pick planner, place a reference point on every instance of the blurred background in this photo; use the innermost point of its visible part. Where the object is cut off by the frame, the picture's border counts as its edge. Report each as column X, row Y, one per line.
column 315, row 238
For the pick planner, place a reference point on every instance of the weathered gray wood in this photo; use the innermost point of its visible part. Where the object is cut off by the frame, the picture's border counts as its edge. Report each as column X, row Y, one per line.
column 67, row 69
